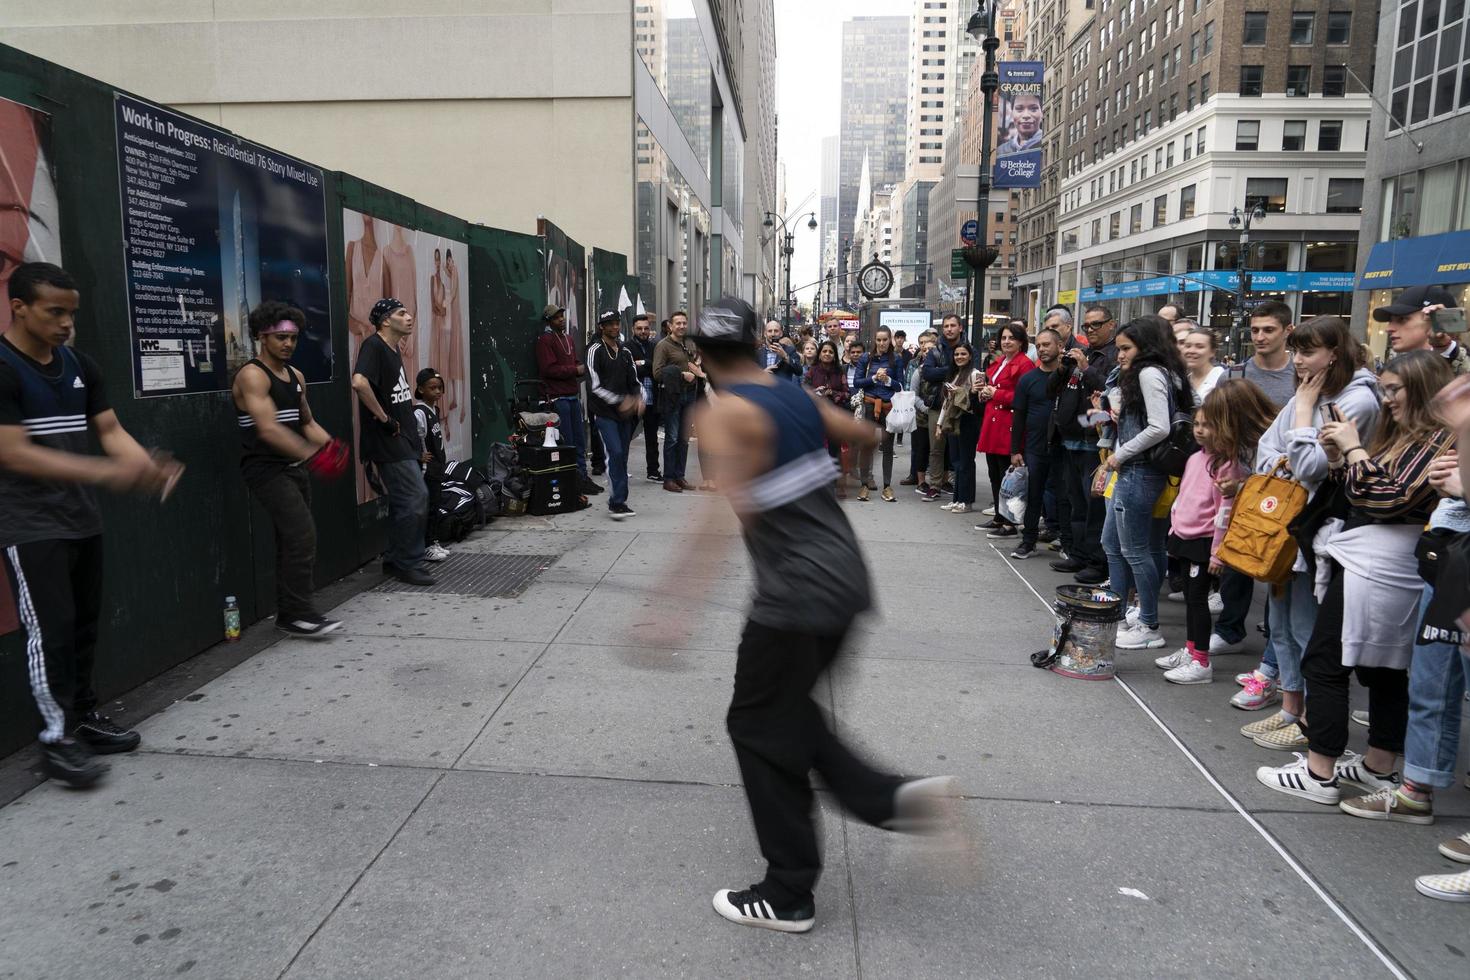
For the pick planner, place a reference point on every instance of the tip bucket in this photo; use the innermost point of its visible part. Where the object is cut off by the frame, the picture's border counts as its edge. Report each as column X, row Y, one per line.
column 1087, row 628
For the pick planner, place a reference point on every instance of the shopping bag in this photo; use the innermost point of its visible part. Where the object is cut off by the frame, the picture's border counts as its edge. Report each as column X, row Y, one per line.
column 901, row 415
column 1013, row 495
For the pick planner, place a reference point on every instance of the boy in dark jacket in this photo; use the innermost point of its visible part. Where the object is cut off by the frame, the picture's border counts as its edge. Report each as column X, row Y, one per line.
column 561, row 373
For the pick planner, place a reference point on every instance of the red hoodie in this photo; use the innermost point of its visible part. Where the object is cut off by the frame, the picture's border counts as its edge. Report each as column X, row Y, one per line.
column 556, row 361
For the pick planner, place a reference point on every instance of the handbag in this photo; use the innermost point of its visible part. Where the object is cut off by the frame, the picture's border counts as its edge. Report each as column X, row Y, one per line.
column 1170, row 456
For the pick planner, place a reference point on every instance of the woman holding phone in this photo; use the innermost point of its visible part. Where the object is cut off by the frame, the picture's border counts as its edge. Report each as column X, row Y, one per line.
column 1328, row 381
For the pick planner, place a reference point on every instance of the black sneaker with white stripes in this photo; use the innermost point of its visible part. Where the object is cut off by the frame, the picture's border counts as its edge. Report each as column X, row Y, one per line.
column 749, row 909
column 70, row 761
column 311, row 629
column 104, row 737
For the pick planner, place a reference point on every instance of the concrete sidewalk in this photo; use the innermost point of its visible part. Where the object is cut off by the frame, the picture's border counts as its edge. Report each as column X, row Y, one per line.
column 542, row 786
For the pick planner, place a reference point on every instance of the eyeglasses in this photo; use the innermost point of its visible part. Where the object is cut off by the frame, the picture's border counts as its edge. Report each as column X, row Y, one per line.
column 1393, row 391
column 1094, row 324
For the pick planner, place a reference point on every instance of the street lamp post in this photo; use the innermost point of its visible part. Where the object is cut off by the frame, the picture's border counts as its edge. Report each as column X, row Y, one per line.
column 1241, row 221
column 980, row 257
column 787, row 239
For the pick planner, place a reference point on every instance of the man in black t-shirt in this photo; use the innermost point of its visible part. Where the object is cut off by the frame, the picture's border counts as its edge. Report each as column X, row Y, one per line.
column 389, row 440
column 51, row 397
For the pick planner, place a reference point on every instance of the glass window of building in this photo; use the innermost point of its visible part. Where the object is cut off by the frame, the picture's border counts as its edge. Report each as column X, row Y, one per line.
column 1254, row 24
column 1194, row 48
column 1252, row 79
column 1298, row 80
column 1345, row 195
column 1303, row 24
column 1188, row 146
column 1169, row 154
column 1189, row 94
column 1294, row 134
column 1161, row 210
column 1204, row 87
column 1334, row 81
column 1247, row 134
column 1268, row 193
column 1199, row 141
column 1115, row 224
column 1135, row 219
column 1186, row 202
column 1209, row 37
column 1329, row 134
column 1462, row 221
column 1096, row 231
column 1339, row 26
column 1331, row 257
column 1430, row 64
column 1437, row 199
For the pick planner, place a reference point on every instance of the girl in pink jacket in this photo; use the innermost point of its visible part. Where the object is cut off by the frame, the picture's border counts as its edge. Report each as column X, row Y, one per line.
column 1227, row 427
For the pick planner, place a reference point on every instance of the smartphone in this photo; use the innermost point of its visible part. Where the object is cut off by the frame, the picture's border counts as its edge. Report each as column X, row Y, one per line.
column 1448, row 320
column 1332, row 411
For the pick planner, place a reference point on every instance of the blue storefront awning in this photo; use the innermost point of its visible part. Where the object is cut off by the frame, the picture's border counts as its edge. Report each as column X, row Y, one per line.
column 1425, row 261
column 1261, row 282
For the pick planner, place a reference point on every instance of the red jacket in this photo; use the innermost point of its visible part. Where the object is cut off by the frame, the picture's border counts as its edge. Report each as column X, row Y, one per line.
column 556, row 361
column 995, row 431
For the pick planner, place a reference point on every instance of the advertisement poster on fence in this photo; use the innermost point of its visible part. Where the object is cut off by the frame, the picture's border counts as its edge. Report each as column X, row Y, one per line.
column 29, row 228
column 29, row 213
column 1018, row 157
column 428, row 274
column 213, row 225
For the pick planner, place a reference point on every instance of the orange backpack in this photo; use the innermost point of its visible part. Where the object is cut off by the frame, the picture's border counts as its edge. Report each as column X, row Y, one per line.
column 1259, row 542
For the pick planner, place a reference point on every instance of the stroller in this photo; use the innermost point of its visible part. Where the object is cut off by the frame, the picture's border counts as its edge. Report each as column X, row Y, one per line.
column 531, row 412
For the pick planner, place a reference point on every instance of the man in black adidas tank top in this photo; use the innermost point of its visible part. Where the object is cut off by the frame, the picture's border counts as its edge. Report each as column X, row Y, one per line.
column 51, row 398
column 765, row 441
column 280, row 441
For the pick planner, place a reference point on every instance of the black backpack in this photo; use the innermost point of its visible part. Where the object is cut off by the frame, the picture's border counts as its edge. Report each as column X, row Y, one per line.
column 456, row 513
column 1170, row 456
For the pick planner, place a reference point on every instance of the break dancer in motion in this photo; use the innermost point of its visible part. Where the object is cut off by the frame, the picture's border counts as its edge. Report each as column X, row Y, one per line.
column 766, row 440
column 280, row 438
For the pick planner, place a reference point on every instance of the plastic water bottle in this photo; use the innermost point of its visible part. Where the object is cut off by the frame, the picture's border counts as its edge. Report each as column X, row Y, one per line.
column 232, row 619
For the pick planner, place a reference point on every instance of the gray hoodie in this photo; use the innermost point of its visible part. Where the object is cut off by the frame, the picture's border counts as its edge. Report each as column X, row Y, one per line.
column 1359, row 401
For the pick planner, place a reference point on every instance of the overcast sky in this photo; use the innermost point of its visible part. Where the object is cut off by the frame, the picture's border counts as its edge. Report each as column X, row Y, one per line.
column 809, row 100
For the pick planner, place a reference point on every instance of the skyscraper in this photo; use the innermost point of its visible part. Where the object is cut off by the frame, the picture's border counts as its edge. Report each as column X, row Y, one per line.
column 830, row 179
column 874, row 107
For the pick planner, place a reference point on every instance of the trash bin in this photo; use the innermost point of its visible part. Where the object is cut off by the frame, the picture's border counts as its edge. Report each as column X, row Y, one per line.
column 1087, row 627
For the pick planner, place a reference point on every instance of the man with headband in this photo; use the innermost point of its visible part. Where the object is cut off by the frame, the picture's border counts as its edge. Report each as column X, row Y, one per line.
column 52, row 400
column 280, row 440
column 388, row 440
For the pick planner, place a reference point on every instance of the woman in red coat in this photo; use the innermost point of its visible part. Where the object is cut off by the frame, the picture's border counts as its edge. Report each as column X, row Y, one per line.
column 995, row 432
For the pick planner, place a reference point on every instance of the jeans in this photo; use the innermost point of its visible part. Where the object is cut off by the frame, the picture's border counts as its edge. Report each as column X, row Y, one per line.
column 780, row 736
column 676, row 442
column 1236, row 592
column 1436, row 689
column 1041, row 470
column 919, row 448
column 1088, row 512
column 651, row 421
column 1133, row 539
column 1293, row 617
column 961, row 448
column 408, row 512
column 1328, row 693
column 616, row 434
column 573, row 428
column 866, row 453
column 286, row 498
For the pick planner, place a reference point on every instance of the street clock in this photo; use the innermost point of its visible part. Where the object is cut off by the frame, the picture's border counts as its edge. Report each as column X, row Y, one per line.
column 875, row 280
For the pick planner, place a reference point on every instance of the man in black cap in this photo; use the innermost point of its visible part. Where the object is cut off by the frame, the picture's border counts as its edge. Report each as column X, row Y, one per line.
column 767, row 448
column 642, row 344
column 388, row 439
column 616, row 402
column 561, row 375
column 1409, row 317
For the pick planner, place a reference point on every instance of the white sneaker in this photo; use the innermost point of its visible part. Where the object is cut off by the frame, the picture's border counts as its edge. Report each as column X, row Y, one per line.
column 1219, row 645
column 1217, row 604
column 1190, row 673
column 1447, row 888
column 988, row 512
column 1350, row 769
column 1360, row 718
column 1176, row 596
column 949, row 506
column 1169, row 661
column 436, row 552
column 1139, row 637
column 1131, row 614
column 1295, row 779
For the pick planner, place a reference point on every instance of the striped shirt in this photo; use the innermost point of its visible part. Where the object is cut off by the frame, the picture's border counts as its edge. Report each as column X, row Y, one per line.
column 1394, row 488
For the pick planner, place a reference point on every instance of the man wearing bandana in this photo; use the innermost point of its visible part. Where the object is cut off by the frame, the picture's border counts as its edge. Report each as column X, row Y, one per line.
column 389, row 439
column 280, row 441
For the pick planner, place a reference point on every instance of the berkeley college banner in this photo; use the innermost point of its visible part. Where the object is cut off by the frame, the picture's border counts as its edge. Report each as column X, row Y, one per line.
column 1018, row 157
